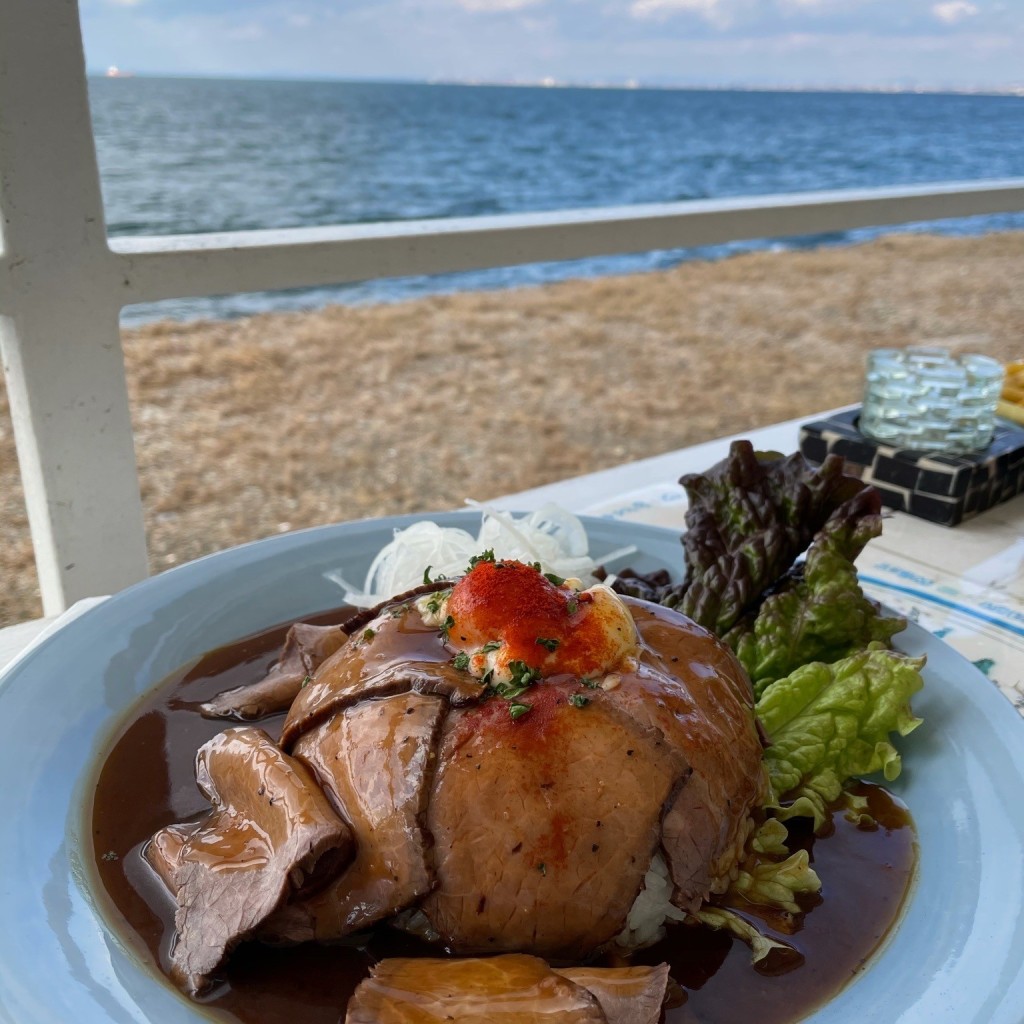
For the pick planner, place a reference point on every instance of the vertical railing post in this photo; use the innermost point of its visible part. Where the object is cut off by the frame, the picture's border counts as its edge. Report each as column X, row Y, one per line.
column 59, row 309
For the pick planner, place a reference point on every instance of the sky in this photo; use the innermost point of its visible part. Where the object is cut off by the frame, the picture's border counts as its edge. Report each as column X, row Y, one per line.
column 872, row 44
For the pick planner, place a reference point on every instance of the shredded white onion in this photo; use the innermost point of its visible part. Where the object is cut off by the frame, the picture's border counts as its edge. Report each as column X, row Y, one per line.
column 551, row 535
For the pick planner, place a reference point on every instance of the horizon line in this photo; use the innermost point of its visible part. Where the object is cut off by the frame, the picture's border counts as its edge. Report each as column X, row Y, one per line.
column 629, row 85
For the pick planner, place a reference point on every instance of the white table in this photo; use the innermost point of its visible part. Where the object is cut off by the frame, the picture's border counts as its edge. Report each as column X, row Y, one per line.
column 967, row 583
column 14, row 639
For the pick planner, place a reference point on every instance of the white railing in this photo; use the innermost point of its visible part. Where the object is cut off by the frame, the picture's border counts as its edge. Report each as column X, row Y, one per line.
column 175, row 266
column 63, row 283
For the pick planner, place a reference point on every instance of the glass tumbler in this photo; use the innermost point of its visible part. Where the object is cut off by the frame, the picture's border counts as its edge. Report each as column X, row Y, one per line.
column 929, row 400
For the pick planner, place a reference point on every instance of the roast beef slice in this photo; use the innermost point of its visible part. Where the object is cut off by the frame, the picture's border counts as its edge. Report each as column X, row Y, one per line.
column 545, row 824
column 628, row 995
column 271, row 835
column 376, row 761
column 691, row 688
column 395, row 653
column 305, row 649
column 511, row 989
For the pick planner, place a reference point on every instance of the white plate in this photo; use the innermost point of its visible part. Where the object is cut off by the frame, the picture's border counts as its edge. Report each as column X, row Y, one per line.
column 957, row 956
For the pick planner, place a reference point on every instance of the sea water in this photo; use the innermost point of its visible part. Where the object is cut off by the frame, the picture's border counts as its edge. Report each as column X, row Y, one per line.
column 193, row 155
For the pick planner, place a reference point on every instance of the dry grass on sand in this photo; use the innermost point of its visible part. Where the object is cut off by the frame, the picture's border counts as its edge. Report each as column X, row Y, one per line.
column 256, row 426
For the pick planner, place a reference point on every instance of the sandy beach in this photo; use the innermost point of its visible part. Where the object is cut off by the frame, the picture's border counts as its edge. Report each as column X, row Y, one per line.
column 253, row 427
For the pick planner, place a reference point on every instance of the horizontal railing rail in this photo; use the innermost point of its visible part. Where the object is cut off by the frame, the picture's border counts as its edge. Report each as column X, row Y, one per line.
column 63, row 283
column 177, row 266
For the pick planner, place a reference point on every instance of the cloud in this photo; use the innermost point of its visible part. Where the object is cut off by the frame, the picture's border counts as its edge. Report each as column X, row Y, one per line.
column 826, row 43
column 709, row 10
column 487, row 6
column 952, row 11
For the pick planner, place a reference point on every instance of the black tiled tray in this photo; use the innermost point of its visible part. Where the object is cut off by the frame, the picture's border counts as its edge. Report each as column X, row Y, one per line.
column 942, row 488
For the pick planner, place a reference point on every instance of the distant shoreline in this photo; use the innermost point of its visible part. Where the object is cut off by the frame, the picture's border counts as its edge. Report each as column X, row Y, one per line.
column 1014, row 91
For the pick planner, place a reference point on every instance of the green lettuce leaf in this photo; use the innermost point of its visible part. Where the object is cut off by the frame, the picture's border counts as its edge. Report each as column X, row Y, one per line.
column 772, row 883
column 770, row 839
column 857, row 811
column 829, row 723
column 760, row 945
column 769, row 875
column 748, row 519
column 821, row 614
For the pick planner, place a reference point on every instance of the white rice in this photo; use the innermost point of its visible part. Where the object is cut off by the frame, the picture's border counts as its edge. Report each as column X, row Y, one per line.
column 645, row 922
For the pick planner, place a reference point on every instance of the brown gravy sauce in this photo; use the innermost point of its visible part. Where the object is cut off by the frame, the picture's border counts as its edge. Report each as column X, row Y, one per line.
column 146, row 782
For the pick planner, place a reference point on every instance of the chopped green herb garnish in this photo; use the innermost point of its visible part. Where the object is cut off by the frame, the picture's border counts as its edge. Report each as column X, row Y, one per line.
column 426, row 575
column 523, row 677
column 522, row 674
column 572, row 606
column 578, row 700
column 535, row 566
column 590, row 684
column 542, row 868
column 436, row 600
column 518, row 710
column 446, row 628
column 398, row 611
column 520, row 670
column 369, row 634
column 306, row 682
column 548, row 643
column 554, row 579
column 487, row 676
column 461, row 661
column 508, row 690
column 491, row 645
column 486, row 556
